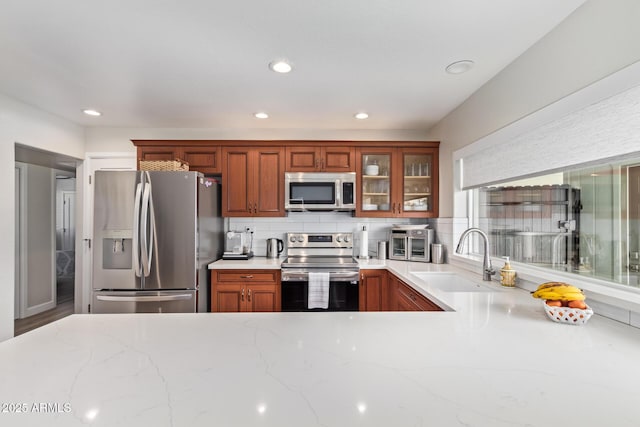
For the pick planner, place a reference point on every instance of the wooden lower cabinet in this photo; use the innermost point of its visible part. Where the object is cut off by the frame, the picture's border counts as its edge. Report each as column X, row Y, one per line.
column 374, row 290
column 245, row 290
column 405, row 298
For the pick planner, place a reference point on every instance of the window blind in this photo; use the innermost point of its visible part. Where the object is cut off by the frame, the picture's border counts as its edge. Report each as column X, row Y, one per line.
column 605, row 129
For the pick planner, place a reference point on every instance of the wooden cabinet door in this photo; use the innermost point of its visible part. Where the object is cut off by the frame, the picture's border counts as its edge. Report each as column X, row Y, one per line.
column 265, row 298
column 375, row 195
column 245, row 290
column 338, row 159
column 302, row 159
column 202, row 159
column 267, row 182
column 374, row 295
column 228, row 298
column 236, row 184
column 417, row 182
column 320, row 159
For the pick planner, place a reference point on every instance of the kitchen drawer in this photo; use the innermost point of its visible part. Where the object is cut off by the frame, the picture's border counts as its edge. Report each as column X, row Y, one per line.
column 247, row 276
column 408, row 299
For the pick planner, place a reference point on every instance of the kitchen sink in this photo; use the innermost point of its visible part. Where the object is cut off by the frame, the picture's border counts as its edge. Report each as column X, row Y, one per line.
column 449, row 282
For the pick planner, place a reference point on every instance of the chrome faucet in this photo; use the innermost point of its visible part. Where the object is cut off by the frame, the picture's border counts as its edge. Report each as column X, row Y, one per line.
column 487, row 269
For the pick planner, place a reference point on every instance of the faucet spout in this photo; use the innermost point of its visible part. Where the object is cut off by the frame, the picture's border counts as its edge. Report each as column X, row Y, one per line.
column 487, row 269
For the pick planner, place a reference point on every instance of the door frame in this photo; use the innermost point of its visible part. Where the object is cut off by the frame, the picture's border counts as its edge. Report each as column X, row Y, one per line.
column 20, row 279
column 84, row 233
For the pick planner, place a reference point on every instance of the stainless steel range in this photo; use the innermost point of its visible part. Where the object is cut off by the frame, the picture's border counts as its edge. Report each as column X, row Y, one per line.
column 320, row 273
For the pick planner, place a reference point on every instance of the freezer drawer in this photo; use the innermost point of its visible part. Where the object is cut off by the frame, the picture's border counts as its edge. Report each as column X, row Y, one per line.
column 144, row 301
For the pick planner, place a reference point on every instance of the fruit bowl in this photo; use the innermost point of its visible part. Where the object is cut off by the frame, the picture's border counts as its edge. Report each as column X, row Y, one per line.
column 571, row 316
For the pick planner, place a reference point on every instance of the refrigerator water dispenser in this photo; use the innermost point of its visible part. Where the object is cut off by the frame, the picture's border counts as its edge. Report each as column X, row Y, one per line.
column 116, row 250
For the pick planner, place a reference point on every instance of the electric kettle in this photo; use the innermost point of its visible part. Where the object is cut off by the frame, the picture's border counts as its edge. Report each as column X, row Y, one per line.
column 274, row 247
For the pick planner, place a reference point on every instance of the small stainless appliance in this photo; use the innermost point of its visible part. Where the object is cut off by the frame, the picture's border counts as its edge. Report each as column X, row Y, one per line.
column 274, row 247
column 329, row 253
column 320, row 191
column 411, row 244
column 154, row 233
column 238, row 245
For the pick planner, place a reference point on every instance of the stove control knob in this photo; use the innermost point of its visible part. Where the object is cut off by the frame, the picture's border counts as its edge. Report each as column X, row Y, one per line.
column 300, row 239
column 292, row 239
column 346, row 239
column 339, row 239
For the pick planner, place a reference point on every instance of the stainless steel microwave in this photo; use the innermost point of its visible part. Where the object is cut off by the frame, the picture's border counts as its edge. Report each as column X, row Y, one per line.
column 320, row 191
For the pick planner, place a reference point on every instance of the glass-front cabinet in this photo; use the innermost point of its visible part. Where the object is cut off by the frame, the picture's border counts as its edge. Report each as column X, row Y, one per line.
column 375, row 183
column 397, row 182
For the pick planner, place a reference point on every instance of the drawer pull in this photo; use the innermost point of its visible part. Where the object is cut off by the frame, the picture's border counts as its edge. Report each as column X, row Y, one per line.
column 249, row 276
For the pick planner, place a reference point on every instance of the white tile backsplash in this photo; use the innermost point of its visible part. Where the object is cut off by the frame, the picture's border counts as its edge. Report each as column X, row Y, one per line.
column 320, row 222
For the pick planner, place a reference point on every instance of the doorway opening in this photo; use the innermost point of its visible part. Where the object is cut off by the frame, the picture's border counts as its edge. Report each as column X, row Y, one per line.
column 45, row 238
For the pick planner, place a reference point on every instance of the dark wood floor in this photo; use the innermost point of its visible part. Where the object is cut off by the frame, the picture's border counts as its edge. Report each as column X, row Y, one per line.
column 64, row 308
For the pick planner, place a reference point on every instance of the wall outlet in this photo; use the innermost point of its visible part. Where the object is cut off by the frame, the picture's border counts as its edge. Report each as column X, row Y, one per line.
column 250, row 229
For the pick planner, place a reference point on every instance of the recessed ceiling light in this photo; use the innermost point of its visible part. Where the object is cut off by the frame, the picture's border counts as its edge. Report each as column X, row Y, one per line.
column 90, row 112
column 361, row 116
column 280, row 66
column 459, row 67
column 261, row 115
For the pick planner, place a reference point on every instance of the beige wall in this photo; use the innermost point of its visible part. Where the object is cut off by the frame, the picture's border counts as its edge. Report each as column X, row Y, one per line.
column 600, row 38
column 119, row 139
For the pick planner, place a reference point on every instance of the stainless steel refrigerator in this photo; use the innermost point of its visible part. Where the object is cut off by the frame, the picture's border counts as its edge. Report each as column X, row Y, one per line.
column 154, row 234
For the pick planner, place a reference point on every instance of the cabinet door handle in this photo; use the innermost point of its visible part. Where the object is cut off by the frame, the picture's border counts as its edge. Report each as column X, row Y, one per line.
column 394, row 207
column 249, row 276
column 242, row 295
column 249, row 295
column 317, row 163
column 255, row 208
column 322, row 164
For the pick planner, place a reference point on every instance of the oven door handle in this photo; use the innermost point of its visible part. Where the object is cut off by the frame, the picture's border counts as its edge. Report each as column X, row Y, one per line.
column 333, row 275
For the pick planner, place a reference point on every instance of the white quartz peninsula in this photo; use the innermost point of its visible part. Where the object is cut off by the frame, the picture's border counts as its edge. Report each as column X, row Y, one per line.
column 495, row 361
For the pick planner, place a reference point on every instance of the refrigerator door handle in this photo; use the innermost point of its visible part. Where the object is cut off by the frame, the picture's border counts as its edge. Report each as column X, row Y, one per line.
column 143, row 230
column 152, row 227
column 144, row 298
column 136, row 230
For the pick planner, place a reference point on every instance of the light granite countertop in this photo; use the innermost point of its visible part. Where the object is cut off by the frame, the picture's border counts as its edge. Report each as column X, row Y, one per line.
column 493, row 360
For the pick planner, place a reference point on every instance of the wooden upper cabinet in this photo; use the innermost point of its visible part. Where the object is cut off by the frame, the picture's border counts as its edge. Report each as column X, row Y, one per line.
column 156, row 153
column 253, row 181
column 397, row 182
column 202, row 159
column 201, row 156
column 310, row 158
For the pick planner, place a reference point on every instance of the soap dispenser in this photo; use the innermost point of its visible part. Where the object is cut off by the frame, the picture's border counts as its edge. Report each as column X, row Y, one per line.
column 507, row 274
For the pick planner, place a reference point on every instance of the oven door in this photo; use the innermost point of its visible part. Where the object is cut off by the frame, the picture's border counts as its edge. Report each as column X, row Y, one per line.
column 343, row 290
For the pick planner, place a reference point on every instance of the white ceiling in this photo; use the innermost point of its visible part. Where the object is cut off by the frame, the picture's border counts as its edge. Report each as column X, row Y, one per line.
column 204, row 63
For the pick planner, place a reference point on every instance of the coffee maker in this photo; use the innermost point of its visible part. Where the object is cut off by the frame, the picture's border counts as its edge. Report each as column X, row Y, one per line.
column 238, row 245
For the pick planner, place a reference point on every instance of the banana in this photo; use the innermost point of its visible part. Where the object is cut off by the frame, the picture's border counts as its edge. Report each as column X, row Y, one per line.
column 558, row 291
